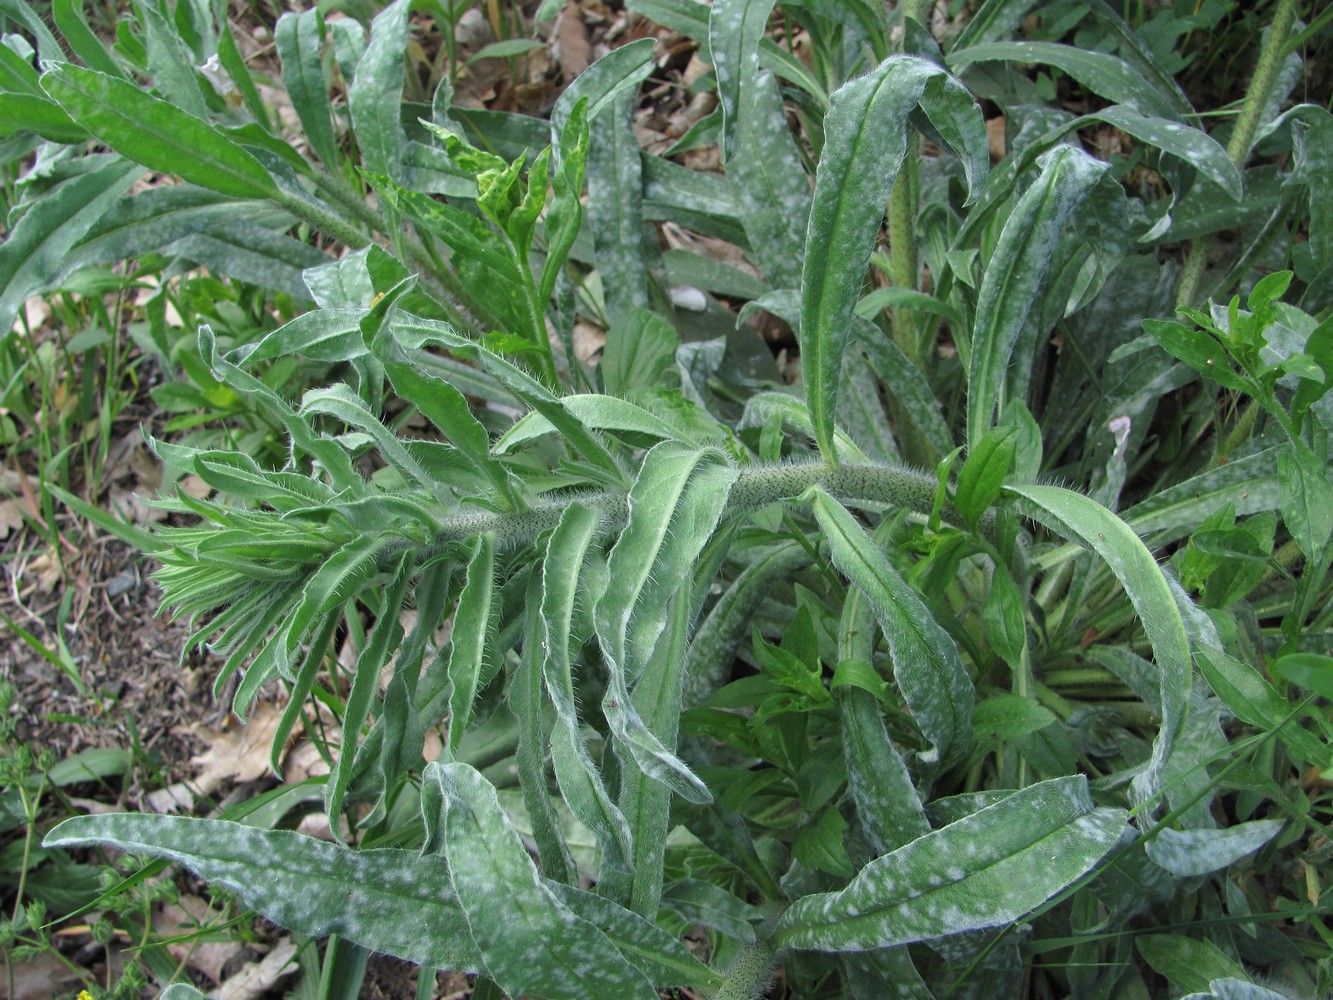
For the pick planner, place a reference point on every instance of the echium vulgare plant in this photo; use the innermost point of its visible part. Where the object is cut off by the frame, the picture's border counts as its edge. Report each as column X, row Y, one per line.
column 689, row 649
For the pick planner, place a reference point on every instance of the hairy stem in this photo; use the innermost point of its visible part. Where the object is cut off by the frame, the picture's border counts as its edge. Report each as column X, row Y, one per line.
column 894, row 486
column 1238, row 149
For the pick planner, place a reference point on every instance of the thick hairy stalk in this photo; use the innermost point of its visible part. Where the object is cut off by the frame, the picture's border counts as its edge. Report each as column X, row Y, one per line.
column 894, row 486
column 1238, row 149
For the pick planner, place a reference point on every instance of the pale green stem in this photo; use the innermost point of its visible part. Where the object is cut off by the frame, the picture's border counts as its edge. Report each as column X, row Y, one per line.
column 749, row 976
column 1271, row 58
column 895, row 486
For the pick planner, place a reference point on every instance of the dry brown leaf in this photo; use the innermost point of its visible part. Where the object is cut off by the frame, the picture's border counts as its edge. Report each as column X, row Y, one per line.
column 995, row 138
column 236, row 755
column 588, row 340
column 10, row 517
column 37, row 979
column 47, row 569
column 186, row 916
column 36, row 311
column 194, row 487
column 572, row 47
column 257, row 978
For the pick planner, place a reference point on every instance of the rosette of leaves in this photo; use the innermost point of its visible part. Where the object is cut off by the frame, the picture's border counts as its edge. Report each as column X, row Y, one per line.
column 748, row 671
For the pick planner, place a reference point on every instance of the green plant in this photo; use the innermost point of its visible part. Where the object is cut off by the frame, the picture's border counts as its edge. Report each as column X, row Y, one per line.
column 958, row 730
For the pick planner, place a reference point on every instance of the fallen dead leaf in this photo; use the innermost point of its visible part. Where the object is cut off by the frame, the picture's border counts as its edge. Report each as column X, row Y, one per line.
column 257, row 978
column 588, row 340
column 10, row 517
column 236, row 755
column 36, row 311
column 185, row 917
column 572, row 48
column 995, row 138
column 37, row 979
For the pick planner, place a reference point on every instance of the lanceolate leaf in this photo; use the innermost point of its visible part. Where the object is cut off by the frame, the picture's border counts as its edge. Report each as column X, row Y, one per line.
column 69, row 18
column 40, row 116
column 926, row 664
column 734, row 30
column 34, row 251
column 397, row 902
column 1187, row 853
column 580, row 783
column 674, row 507
column 1016, row 274
column 157, row 134
column 299, row 38
column 1307, row 498
column 601, row 83
column 531, row 942
column 662, row 958
column 1103, row 74
column 983, row 871
column 413, row 332
column 771, row 185
column 1075, row 516
column 382, row 643
column 865, row 141
column 1195, row 146
column 376, row 94
column 468, row 642
column 615, row 208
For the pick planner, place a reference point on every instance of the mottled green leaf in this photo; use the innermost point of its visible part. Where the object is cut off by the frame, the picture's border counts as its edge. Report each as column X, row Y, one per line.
column 35, row 249
column 299, row 38
column 1076, row 516
column 1188, row 853
column 530, row 941
column 394, row 901
column 865, row 142
column 1016, row 275
column 1307, row 498
column 155, row 133
column 376, row 94
column 985, row 870
column 926, row 664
